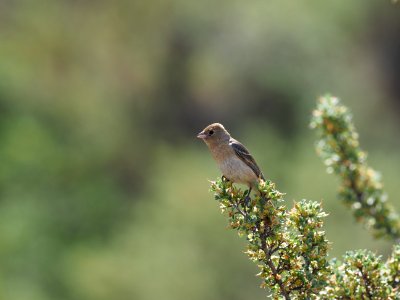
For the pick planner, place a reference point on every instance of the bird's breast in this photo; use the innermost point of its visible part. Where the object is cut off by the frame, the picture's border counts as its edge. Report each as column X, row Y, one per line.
column 236, row 170
column 231, row 166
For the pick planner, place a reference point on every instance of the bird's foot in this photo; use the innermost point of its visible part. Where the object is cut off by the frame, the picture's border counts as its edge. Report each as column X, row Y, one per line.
column 224, row 178
column 247, row 199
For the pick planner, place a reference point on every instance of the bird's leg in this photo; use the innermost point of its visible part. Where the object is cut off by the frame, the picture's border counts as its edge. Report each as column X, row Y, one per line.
column 247, row 198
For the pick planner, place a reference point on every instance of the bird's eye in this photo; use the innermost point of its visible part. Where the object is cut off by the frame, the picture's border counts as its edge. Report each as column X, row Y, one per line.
column 211, row 132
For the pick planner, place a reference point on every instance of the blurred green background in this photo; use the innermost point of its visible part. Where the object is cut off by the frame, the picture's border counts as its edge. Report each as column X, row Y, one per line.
column 103, row 185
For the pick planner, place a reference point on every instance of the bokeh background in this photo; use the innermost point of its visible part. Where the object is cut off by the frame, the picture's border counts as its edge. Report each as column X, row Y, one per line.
column 103, row 185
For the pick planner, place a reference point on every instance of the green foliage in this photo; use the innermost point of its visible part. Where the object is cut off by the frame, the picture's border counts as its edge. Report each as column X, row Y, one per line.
column 361, row 188
column 360, row 276
column 290, row 247
column 392, row 268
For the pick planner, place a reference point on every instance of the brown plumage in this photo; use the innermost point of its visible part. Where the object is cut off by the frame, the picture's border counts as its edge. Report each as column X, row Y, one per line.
column 233, row 159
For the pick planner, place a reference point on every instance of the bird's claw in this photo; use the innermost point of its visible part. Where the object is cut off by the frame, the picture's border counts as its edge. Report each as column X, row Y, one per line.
column 224, row 178
column 247, row 199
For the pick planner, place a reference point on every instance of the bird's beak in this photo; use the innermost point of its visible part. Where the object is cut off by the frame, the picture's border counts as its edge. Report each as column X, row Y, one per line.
column 201, row 135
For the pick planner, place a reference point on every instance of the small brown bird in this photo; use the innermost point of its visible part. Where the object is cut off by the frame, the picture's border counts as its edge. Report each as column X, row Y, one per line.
column 233, row 159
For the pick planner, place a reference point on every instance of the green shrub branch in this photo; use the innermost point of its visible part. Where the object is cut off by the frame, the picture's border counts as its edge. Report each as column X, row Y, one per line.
column 289, row 245
column 361, row 187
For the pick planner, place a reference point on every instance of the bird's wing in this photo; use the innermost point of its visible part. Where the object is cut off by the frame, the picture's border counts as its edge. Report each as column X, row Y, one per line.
column 246, row 157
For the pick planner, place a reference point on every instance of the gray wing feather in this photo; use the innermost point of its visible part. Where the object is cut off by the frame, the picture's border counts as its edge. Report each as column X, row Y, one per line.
column 246, row 157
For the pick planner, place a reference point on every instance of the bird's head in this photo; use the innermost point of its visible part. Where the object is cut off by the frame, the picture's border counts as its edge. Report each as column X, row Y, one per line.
column 214, row 133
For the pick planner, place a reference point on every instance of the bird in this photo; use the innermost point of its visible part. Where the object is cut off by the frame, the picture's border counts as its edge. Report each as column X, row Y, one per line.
column 233, row 159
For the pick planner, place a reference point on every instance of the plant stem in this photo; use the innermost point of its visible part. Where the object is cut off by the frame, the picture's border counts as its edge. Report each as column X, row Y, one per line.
column 366, row 283
column 263, row 237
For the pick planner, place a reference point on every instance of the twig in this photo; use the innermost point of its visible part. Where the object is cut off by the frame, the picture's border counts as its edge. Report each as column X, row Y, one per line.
column 366, row 282
column 263, row 237
column 235, row 205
